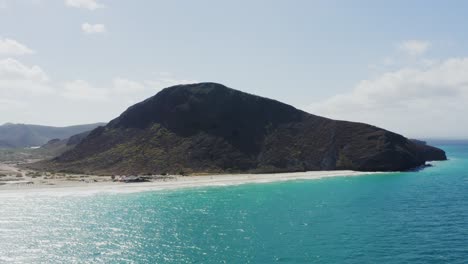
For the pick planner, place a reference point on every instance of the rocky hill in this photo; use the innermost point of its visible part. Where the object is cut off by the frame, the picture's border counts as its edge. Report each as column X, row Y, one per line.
column 209, row 128
column 57, row 146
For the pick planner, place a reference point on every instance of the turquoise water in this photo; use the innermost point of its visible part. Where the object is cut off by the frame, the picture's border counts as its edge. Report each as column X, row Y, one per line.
column 413, row 217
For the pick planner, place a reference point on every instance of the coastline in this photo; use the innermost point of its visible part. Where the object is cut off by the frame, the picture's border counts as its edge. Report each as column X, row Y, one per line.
column 57, row 187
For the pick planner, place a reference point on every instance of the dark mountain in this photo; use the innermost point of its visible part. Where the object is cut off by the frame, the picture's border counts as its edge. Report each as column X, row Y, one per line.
column 23, row 135
column 209, row 128
column 57, row 146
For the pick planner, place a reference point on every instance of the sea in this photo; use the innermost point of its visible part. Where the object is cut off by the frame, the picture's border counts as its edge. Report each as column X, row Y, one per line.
column 406, row 217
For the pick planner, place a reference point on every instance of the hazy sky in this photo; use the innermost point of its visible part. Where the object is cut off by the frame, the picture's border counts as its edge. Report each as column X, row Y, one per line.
column 401, row 65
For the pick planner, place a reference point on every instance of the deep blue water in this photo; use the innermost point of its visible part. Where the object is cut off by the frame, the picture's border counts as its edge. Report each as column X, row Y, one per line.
column 411, row 217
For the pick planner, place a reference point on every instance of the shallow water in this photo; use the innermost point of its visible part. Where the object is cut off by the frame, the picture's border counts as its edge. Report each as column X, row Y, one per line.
column 416, row 217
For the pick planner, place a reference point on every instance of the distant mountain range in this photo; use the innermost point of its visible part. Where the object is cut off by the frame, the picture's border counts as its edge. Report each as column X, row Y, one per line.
column 24, row 135
column 209, row 128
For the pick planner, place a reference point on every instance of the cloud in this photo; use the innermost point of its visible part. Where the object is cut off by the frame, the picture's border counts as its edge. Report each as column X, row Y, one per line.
column 11, row 69
column 12, row 47
column 28, row 95
column 414, row 47
column 425, row 101
column 120, row 88
column 93, row 28
column 164, row 74
column 87, row 4
column 125, row 86
column 8, row 105
column 18, row 80
column 80, row 90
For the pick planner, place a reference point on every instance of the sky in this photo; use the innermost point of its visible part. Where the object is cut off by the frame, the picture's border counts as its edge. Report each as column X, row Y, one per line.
column 399, row 65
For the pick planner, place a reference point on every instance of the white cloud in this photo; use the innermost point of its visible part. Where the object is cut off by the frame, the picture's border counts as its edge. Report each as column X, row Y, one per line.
column 28, row 95
column 93, row 28
column 426, row 101
column 8, row 105
column 18, row 80
column 164, row 74
column 11, row 69
column 121, row 89
column 87, row 4
column 125, row 86
column 414, row 47
column 18, row 89
column 80, row 90
column 12, row 47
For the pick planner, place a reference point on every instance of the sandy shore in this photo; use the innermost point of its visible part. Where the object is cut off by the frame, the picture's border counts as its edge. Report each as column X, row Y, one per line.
column 80, row 185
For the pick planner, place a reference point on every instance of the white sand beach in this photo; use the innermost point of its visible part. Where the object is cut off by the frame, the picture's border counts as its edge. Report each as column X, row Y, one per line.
column 80, row 184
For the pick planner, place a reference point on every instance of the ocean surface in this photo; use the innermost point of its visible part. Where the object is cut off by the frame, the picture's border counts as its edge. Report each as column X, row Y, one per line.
column 411, row 217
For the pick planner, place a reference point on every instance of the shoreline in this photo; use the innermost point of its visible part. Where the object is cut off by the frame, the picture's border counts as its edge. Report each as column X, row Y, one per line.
column 176, row 182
